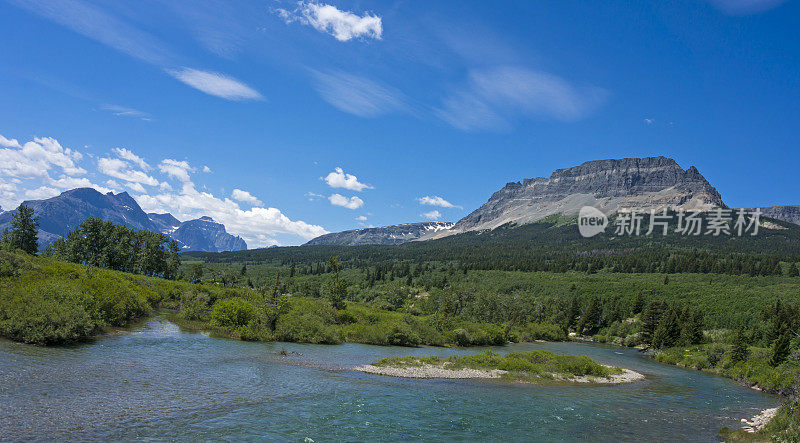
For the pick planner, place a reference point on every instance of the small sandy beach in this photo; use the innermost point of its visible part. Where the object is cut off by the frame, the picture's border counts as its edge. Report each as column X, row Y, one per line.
column 435, row 371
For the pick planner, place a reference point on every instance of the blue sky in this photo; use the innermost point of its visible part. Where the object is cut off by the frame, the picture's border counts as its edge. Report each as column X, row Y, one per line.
column 244, row 110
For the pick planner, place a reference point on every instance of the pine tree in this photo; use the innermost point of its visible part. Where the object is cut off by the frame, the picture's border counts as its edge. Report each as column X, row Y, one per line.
column 668, row 331
column 793, row 271
column 24, row 230
column 638, row 304
column 651, row 317
column 780, row 349
column 590, row 320
column 740, row 351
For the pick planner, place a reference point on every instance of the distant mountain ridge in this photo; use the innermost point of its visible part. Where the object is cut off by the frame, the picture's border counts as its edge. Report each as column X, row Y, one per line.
column 608, row 185
column 387, row 235
column 63, row 213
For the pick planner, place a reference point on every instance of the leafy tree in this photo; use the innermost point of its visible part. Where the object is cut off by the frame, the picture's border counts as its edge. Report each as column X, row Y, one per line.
column 195, row 273
column 740, row 351
column 780, row 349
column 24, row 230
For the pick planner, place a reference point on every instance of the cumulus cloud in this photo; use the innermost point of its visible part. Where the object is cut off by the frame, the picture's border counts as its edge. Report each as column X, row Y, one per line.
column 339, row 179
column 128, row 155
column 358, row 95
column 245, row 197
column 27, row 170
column 495, row 98
column 349, row 203
column 432, row 215
column 436, row 201
column 176, row 169
column 25, row 174
column 342, row 25
column 206, row 169
column 123, row 170
column 361, row 218
column 257, row 226
column 216, row 84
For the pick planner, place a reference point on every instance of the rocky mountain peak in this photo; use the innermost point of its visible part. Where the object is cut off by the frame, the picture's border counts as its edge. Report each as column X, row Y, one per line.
column 611, row 184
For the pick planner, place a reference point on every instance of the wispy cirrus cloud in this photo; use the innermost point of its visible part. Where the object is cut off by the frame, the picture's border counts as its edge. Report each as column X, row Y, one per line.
column 122, row 111
column 342, row 25
column 495, row 98
column 358, row 95
column 745, row 7
column 97, row 24
column 216, row 84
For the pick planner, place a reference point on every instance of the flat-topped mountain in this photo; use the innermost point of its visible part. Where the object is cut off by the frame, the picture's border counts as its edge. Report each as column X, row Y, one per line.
column 609, row 185
column 387, row 235
column 63, row 213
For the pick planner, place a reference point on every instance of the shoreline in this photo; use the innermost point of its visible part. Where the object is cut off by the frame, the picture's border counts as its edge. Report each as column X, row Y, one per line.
column 758, row 422
column 428, row 371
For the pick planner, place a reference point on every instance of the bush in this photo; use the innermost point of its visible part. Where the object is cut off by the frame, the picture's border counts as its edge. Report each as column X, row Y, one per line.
column 45, row 314
column 232, row 313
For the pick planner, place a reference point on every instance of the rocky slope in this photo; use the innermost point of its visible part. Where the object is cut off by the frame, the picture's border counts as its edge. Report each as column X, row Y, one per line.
column 609, row 185
column 63, row 213
column 388, row 235
column 787, row 213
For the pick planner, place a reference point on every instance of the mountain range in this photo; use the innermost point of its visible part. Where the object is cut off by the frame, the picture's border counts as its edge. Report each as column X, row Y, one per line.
column 63, row 213
column 608, row 185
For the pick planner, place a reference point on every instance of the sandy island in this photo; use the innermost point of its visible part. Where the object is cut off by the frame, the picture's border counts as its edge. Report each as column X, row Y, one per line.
column 439, row 371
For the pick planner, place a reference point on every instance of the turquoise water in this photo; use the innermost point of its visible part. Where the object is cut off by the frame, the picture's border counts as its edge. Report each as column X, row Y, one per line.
column 158, row 382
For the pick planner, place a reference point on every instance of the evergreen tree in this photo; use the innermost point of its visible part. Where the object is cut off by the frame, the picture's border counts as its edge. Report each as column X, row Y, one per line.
column 590, row 320
column 668, row 331
column 793, row 271
column 24, row 230
column 638, row 303
column 651, row 317
column 780, row 349
column 573, row 311
column 740, row 351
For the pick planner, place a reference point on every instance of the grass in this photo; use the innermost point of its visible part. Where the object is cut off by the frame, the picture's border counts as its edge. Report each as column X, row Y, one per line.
column 529, row 366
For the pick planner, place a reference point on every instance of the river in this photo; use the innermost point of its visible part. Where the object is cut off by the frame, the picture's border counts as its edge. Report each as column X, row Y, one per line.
column 157, row 382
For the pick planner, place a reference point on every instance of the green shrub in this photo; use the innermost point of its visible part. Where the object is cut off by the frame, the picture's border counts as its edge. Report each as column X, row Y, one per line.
column 232, row 313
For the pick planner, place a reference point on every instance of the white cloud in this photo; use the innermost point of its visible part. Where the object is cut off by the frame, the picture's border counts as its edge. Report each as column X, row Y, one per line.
column 361, row 218
column 122, row 170
column 245, row 197
column 436, row 201
column 176, row 169
column 313, row 196
column 257, row 226
column 493, row 99
column 432, row 215
column 349, row 203
column 745, row 7
column 9, row 143
column 649, row 121
column 40, row 193
column 216, row 84
column 126, row 154
column 36, row 158
column 206, row 169
column 136, row 187
column 358, row 95
column 342, row 25
column 340, row 179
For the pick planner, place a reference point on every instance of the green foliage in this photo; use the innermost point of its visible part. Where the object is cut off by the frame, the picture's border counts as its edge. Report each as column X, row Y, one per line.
column 232, row 313
column 104, row 244
column 739, row 351
column 780, row 349
column 24, row 231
